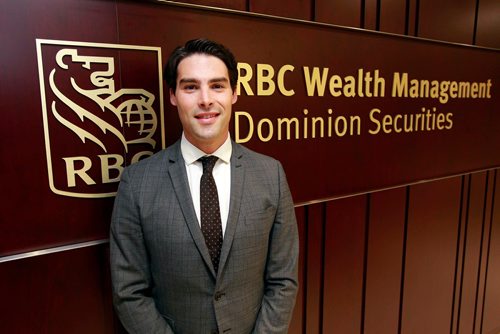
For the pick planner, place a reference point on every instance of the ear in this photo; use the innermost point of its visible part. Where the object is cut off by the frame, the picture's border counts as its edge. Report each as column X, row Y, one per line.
column 173, row 99
column 235, row 97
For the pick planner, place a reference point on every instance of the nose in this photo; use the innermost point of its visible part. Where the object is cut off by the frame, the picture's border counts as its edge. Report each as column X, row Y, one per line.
column 205, row 98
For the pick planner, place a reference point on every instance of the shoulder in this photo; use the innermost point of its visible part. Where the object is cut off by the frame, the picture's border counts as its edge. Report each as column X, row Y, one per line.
column 242, row 152
column 262, row 174
column 254, row 162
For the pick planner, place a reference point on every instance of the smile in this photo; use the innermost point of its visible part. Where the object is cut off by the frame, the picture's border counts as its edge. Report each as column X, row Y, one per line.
column 206, row 116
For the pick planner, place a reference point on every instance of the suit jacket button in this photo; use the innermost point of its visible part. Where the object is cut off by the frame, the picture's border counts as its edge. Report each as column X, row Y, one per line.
column 218, row 296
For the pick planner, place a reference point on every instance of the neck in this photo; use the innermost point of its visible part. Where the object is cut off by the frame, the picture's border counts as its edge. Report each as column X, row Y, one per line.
column 208, row 147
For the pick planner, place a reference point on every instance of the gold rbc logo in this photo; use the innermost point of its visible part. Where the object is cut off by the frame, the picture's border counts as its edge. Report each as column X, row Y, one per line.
column 92, row 127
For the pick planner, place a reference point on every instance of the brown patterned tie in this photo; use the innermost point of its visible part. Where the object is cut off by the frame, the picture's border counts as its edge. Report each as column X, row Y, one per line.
column 211, row 226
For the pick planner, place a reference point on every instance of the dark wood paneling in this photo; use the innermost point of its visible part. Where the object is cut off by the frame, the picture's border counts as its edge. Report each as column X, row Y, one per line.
column 297, row 9
column 230, row 4
column 412, row 10
column 393, row 16
column 297, row 323
column 314, row 267
column 385, row 254
column 344, row 262
column 371, row 14
column 339, row 12
column 491, row 308
column 488, row 24
column 430, row 257
column 460, row 252
column 483, row 254
column 474, row 210
column 385, row 15
column 447, row 20
column 66, row 292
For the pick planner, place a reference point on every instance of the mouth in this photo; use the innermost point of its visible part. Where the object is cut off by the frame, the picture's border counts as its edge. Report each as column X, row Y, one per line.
column 206, row 116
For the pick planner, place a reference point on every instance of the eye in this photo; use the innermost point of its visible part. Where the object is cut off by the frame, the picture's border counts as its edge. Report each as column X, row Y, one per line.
column 189, row 87
column 218, row 86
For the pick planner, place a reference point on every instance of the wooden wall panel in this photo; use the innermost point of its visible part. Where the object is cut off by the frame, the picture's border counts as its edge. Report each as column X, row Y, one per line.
column 490, row 322
column 488, row 24
column 460, row 252
column 384, row 261
column 433, row 218
column 297, row 323
column 385, row 15
column 393, row 16
column 484, row 251
column 339, row 12
column 474, row 221
column 371, row 15
column 447, row 20
column 412, row 11
column 61, row 293
column 344, row 265
column 297, row 9
column 314, row 267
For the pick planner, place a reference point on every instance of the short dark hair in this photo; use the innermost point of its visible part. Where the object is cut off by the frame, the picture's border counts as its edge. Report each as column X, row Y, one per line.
column 200, row 46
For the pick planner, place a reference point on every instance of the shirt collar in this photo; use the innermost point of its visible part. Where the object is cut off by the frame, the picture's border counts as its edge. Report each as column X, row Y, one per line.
column 191, row 153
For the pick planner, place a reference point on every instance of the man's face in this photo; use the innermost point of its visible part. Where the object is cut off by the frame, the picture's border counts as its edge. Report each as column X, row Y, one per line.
column 204, row 99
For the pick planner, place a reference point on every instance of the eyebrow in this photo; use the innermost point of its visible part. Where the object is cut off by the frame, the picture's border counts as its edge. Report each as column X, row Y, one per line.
column 192, row 80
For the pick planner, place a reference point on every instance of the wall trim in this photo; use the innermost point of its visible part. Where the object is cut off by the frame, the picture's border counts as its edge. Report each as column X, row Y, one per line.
column 52, row 250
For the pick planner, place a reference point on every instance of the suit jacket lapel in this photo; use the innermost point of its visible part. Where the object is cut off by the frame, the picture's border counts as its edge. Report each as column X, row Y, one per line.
column 237, row 181
column 178, row 176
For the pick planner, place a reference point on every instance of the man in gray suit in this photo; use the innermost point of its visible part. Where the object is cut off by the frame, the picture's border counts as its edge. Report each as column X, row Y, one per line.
column 178, row 269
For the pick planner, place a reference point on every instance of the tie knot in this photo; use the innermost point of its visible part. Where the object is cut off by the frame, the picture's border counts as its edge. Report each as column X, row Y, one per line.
column 208, row 163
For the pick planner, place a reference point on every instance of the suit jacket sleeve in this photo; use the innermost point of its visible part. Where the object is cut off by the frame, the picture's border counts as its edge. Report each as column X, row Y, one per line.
column 281, row 269
column 130, row 271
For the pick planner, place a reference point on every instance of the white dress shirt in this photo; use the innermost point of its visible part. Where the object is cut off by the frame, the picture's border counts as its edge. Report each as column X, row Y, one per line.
column 221, row 174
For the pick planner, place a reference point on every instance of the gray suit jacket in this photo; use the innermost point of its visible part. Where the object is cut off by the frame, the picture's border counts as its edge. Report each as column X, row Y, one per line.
column 162, row 275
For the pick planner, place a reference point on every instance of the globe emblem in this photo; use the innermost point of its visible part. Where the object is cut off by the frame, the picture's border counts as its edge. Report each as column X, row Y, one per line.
column 138, row 115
